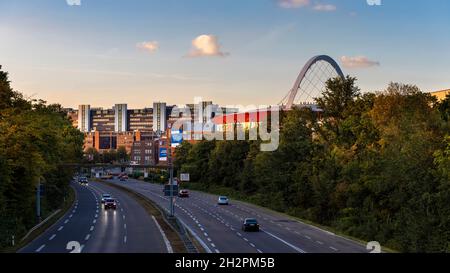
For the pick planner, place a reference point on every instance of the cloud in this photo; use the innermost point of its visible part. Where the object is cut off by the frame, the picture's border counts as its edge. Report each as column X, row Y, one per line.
column 148, row 46
column 358, row 62
column 293, row 4
column 206, row 46
column 73, row 2
column 324, row 7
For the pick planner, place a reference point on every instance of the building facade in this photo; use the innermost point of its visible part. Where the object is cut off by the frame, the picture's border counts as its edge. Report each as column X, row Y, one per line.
column 440, row 95
column 120, row 118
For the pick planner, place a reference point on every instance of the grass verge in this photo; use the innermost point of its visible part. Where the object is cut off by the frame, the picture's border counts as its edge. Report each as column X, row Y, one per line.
column 36, row 233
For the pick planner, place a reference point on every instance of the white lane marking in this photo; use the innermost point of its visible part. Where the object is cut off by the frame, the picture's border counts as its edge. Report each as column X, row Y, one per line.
column 125, row 226
column 70, row 216
column 209, row 239
column 87, row 237
column 67, row 221
column 238, row 234
column 307, row 237
column 125, row 239
column 123, row 216
column 92, row 228
column 206, row 234
column 60, row 228
column 95, row 221
column 53, row 237
column 245, row 239
column 213, row 245
column 73, row 211
column 40, row 248
column 163, row 234
column 217, row 251
column 259, row 251
column 252, row 245
column 319, row 242
column 333, row 248
column 286, row 243
column 202, row 229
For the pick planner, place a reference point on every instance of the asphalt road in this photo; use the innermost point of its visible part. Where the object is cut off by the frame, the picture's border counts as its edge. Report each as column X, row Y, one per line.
column 219, row 227
column 129, row 229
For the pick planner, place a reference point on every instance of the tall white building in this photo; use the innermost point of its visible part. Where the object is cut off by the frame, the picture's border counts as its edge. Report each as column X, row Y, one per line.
column 84, row 118
column 121, row 118
column 159, row 117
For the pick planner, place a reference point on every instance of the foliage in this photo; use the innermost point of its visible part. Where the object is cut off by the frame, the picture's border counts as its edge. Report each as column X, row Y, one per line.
column 375, row 166
column 35, row 139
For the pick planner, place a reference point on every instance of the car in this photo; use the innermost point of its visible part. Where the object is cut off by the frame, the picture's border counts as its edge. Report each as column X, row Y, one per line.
column 223, row 200
column 83, row 181
column 183, row 194
column 250, row 224
column 105, row 196
column 110, row 203
column 124, row 178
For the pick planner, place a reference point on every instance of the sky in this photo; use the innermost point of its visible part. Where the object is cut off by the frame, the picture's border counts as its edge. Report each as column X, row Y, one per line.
column 246, row 52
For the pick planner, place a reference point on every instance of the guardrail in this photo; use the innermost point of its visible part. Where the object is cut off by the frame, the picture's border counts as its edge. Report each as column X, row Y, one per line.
column 40, row 224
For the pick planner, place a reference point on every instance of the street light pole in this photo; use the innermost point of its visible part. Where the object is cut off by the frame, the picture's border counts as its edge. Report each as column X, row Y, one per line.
column 38, row 201
column 169, row 159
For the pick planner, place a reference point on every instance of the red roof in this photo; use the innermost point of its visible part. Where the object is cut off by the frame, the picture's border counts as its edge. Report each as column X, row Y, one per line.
column 241, row 117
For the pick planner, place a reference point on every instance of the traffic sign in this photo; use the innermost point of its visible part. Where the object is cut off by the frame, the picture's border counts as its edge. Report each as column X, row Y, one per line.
column 184, row 177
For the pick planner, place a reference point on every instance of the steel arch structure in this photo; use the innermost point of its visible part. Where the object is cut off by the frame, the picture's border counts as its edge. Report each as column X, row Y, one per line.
column 331, row 69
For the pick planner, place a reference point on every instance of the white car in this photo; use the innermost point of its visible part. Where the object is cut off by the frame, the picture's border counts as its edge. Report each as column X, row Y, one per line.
column 105, row 196
column 223, row 200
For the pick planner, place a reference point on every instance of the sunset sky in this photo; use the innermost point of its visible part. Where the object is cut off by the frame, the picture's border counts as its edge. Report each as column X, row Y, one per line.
column 103, row 52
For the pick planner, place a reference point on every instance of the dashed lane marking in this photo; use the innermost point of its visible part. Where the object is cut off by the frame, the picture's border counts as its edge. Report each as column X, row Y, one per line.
column 40, row 248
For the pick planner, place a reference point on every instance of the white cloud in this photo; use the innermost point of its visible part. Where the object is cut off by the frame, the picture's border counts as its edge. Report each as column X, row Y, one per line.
column 324, row 7
column 148, row 46
column 293, row 4
column 358, row 62
column 73, row 2
column 206, row 45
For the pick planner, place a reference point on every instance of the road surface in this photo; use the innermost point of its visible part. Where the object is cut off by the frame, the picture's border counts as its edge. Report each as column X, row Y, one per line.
column 219, row 227
column 129, row 229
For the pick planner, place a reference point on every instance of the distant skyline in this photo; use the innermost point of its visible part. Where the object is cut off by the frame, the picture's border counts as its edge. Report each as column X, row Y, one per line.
column 104, row 52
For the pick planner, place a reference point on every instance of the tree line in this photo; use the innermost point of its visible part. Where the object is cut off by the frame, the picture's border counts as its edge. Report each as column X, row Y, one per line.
column 35, row 138
column 375, row 166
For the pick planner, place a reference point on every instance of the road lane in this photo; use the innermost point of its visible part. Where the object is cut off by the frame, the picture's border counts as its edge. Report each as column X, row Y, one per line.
column 221, row 224
column 129, row 229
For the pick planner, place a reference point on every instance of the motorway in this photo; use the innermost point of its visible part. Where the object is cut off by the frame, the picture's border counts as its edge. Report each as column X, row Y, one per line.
column 218, row 228
column 129, row 229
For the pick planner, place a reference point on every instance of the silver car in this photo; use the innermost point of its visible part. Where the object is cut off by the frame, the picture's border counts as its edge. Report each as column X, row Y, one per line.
column 223, row 200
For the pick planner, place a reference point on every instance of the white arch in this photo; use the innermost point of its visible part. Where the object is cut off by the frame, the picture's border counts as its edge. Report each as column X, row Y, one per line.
column 301, row 76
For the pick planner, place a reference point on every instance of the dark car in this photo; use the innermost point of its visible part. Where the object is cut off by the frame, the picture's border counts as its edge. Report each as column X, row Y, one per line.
column 110, row 204
column 183, row 194
column 83, row 181
column 250, row 224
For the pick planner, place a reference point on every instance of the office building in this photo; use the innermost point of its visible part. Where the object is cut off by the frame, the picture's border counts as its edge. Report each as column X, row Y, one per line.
column 84, row 118
column 159, row 117
column 120, row 118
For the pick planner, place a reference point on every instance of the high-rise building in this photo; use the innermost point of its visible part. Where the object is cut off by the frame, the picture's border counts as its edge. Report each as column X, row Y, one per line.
column 84, row 118
column 121, row 118
column 159, row 117
column 140, row 120
column 103, row 120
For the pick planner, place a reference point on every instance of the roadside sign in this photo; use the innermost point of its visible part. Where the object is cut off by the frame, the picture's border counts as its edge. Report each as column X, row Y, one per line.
column 184, row 177
column 167, row 190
